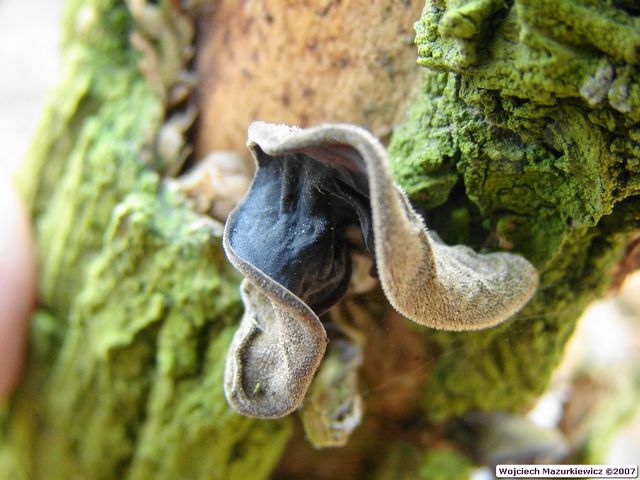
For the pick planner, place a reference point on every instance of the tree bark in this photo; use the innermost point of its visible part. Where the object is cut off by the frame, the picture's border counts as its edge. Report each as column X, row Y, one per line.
column 521, row 134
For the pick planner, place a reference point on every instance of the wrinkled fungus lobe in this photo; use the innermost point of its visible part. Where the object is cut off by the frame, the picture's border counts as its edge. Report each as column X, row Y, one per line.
column 288, row 238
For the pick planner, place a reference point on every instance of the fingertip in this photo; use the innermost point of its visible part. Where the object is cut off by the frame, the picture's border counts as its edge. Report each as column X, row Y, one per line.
column 17, row 284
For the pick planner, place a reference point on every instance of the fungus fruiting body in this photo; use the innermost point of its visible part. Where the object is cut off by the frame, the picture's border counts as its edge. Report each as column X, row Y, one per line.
column 288, row 237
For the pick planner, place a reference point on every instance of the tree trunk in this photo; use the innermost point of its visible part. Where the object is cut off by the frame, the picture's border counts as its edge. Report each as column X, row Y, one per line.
column 521, row 134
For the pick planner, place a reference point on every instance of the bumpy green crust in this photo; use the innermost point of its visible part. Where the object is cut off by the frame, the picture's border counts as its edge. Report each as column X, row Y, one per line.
column 138, row 303
column 524, row 136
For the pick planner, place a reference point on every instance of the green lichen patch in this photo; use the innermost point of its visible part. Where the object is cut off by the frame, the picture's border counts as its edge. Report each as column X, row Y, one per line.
column 135, row 389
column 579, row 51
column 424, row 153
column 523, row 117
column 138, row 303
column 90, row 150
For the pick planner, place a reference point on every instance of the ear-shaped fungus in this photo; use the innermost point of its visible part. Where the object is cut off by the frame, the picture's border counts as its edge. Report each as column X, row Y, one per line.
column 288, row 238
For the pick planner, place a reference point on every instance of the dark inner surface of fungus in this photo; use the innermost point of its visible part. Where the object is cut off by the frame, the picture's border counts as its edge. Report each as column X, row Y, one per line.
column 291, row 224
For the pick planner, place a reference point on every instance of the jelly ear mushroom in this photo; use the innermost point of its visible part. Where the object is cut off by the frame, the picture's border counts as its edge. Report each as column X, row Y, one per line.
column 288, row 238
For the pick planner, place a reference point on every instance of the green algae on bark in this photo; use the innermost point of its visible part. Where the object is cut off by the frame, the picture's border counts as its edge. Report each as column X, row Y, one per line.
column 523, row 137
column 137, row 303
column 135, row 390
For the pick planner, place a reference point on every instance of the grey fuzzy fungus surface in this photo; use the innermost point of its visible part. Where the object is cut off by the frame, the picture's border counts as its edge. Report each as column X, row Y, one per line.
column 288, row 238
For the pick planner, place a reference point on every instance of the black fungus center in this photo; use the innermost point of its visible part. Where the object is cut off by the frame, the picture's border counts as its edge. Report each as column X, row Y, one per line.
column 292, row 224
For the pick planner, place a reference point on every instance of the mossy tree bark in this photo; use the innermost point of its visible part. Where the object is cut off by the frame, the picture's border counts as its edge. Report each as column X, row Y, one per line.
column 522, row 134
